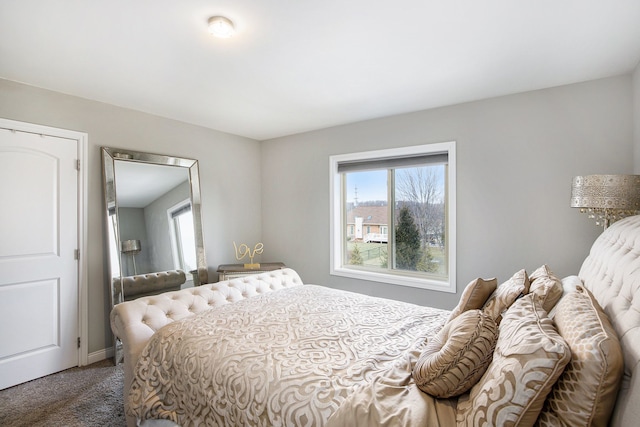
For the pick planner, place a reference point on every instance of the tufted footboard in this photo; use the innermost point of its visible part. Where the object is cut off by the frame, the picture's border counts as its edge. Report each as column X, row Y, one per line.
column 134, row 322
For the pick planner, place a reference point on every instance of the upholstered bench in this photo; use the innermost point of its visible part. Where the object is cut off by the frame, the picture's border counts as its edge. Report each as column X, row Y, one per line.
column 150, row 283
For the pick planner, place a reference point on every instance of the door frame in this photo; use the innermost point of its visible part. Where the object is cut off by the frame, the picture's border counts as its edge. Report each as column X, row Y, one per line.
column 82, row 142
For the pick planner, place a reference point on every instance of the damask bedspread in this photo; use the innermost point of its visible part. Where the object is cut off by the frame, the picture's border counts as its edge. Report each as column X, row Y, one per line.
column 291, row 357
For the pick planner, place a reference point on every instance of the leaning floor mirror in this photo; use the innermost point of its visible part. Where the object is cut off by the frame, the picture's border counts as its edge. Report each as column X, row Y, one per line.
column 153, row 224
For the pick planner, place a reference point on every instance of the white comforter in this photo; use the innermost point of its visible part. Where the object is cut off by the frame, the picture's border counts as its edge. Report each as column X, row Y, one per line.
column 291, row 357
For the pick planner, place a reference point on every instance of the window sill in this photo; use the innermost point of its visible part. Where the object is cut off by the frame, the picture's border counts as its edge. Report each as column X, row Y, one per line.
column 396, row 279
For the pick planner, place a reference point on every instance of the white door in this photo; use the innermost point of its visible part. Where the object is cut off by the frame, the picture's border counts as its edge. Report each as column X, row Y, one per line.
column 38, row 266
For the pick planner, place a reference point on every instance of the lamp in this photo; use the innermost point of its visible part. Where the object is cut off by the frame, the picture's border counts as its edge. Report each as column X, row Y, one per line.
column 132, row 247
column 606, row 198
column 222, row 27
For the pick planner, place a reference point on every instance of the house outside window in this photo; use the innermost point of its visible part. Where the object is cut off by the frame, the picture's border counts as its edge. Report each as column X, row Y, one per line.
column 393, row 216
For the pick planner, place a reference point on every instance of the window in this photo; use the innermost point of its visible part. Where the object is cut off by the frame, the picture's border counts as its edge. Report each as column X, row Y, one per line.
column 393, row 216
column 182, row 236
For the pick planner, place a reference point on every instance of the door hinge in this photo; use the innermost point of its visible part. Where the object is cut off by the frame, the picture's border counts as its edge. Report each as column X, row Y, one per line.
column 78, row 164
column 77, row 254
column 78, row 342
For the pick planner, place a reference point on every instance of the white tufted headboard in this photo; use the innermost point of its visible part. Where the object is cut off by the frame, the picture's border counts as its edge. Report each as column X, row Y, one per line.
column 134, row 322
column 611, row 272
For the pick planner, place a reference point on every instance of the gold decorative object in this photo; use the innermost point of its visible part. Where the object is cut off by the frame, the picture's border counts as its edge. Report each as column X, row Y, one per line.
column 244, row 250
column 606, row 198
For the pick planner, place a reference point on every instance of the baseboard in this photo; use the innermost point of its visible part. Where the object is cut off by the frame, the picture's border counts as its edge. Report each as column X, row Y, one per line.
column 99, row 355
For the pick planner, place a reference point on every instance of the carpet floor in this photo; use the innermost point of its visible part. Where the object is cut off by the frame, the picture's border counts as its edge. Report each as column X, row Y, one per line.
column 87, row 396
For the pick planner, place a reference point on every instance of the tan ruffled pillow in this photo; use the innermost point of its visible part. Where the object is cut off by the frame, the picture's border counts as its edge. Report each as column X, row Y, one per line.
column 474, row 296
column 586, row 392
column 546, row 286
column 455, row 359
column 505, row 295
column 529, row 357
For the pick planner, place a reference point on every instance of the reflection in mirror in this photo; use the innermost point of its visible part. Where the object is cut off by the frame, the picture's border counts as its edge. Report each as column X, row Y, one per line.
column 154, row 226
column 151, row 199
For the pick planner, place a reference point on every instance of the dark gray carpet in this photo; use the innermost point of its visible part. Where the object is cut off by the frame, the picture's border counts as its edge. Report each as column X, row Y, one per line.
column 87, row 396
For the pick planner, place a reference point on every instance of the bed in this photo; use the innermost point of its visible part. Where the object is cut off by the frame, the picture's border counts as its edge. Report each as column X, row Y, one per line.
column 267, row 350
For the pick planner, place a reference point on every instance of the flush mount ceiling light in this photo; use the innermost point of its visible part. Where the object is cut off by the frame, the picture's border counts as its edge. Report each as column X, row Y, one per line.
column 222, row 27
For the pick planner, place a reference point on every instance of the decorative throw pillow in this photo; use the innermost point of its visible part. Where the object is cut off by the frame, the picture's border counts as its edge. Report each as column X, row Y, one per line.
column 569, row 285
column 529, row 357
column 455, row 359
column 547, row 286
column 474, row 296
column 586, row 392
column 505, row 294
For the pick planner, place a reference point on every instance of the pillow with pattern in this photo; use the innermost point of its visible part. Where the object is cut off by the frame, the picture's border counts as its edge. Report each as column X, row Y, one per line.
column 529, row 357
column 474, row 296
column 547, row 286
column 505, row 294
column 455, row 359
column 586, row 391
column 569, row 285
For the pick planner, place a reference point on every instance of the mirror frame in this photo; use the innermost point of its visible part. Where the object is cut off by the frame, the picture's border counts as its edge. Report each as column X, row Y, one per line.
column 109, row 156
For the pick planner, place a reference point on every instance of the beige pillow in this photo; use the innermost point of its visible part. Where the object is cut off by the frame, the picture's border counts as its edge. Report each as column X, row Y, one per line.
column 569, row 285
column 529, row 357
column 547, row 286
column 455, row 359
column 474, row 296
column 505, row 294
column 586, row 392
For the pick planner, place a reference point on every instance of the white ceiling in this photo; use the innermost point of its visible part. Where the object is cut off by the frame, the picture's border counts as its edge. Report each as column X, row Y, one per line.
column 295, row 66
column 139, row 184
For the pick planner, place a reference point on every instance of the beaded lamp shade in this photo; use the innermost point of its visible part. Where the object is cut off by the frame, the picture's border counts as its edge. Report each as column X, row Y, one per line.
column 606, row 198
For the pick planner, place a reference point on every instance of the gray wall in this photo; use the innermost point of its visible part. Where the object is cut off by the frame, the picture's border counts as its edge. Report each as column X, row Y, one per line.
column 133, row 227
column 157, row 224
column 516, row 157
column 230, row 201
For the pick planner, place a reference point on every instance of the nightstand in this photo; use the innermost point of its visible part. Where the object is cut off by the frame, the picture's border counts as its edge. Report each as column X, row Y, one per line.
column 232, row 271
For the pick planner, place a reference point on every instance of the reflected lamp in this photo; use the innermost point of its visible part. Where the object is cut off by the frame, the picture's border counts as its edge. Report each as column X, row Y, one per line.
column 132, row 247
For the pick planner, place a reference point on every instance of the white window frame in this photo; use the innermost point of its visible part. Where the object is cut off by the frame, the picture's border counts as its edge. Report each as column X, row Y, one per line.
column 173, row 234
column 337, row 230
